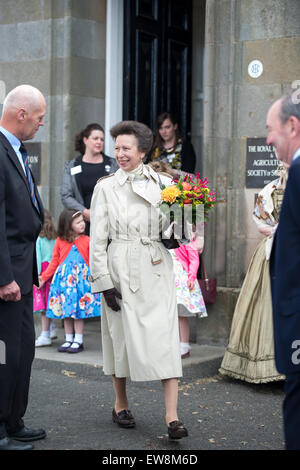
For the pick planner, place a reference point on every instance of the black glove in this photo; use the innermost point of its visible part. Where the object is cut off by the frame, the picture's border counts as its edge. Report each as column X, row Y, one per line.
column 110, row 296
column 170, row 243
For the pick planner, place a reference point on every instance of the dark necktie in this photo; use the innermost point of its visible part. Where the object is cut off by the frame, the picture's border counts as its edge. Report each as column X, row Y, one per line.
column 29, row 176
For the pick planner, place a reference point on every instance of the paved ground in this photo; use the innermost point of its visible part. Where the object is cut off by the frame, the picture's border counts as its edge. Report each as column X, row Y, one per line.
column 92, row 354
column 73, row 401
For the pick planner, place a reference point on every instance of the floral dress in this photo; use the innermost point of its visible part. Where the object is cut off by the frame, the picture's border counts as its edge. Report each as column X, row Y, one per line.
column 70, row 291
column 172, row 156
column 190, row 302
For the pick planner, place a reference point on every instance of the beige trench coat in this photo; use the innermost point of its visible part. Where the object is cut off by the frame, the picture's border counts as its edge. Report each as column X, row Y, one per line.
column 141, row 341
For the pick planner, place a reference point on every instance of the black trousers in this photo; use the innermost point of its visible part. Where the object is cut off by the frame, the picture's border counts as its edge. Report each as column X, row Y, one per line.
column 291, row 412
column 17, row 337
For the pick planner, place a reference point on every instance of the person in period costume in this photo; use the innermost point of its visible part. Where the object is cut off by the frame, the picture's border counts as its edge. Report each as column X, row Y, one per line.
column 82, row 172
column 44, row 249
column 21, row 219
column 189, row 296
column 250, row 353
column 140, row 337
column 169, row 147
column 70, row 297
column 283, row 124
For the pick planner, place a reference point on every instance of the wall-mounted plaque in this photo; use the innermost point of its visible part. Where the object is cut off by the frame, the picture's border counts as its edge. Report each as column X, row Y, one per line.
column 261, row 163
column 34, row 154
column 255, row 68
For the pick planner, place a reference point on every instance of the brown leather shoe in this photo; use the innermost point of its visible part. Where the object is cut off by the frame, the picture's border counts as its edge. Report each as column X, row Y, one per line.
column 124, row 418
column 177, row 430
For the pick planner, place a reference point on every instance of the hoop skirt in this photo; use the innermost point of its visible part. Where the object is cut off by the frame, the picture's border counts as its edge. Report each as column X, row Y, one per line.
column 250, row 353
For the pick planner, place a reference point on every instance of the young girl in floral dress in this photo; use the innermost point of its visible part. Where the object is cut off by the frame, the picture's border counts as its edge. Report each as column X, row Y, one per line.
column 189, row 296
column 70, row 296
column 44, row 249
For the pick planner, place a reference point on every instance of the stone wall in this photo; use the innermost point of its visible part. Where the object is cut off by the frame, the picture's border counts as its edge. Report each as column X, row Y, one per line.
column 59, row 47
column 235, row 107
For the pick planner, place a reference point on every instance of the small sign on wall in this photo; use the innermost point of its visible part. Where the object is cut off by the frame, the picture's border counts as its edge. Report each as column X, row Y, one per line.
column 255, row 69
column 34, row 154
column 261, row 164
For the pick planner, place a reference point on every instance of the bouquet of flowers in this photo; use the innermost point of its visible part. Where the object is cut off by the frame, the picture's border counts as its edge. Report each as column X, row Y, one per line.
column 187, row 201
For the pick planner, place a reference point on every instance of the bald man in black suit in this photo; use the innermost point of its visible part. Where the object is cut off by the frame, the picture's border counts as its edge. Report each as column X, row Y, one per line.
column 21, row 219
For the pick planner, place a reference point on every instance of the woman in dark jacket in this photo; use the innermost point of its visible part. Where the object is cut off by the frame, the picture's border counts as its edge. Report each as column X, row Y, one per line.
column 169, row 146
column 82, row 172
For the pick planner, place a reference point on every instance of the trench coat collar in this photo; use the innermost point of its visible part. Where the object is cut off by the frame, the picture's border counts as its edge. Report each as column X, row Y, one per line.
column 122, row 176
column 150, row 193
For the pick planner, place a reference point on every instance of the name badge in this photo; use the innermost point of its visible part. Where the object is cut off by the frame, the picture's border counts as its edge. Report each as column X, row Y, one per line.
column 75, row 170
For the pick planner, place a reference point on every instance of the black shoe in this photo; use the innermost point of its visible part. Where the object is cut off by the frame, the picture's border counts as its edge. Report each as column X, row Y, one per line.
column 124, row 418
column 26, row 434
column 176, row 430
column 64, row 348
column 78, row 349
column 7, row 444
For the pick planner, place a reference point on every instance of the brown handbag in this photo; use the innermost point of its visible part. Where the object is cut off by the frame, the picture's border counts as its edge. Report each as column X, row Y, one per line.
column 208, row 286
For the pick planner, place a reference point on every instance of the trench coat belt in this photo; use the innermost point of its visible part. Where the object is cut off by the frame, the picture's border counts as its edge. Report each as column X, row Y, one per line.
column 135, row 257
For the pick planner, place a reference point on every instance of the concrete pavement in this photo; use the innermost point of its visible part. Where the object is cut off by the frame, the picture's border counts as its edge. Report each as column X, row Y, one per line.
column 92, row 354
column 72, row 399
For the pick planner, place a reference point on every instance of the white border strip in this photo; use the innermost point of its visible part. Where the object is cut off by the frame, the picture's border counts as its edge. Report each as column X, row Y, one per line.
column 114, row 69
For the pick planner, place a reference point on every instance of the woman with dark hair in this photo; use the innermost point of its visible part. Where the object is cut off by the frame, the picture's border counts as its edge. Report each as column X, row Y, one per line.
column 139, row 327
column 170, row 147
column 82, row 173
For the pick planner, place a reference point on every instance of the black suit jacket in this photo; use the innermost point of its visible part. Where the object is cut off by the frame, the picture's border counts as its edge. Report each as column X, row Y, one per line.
column 285, row 277
column 20, row 222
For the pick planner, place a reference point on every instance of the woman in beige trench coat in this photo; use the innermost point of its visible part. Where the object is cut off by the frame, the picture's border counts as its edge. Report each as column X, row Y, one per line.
column 139, row 321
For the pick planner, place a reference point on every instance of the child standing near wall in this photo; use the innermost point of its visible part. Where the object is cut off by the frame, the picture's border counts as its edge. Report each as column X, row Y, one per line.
column 189, row 296
column 70, row 296
column 44, row 249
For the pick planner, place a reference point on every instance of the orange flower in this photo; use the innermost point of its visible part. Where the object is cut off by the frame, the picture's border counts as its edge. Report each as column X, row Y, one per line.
column 186, row 186
column 196, row 189
column 52, row 302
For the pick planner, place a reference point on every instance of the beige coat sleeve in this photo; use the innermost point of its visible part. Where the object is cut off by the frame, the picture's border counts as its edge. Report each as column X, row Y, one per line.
column 99, row 236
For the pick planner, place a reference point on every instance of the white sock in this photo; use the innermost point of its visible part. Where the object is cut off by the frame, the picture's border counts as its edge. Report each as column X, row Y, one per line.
column 45, row 334
column 184, row 347
column 78, row 338
column 69, row 337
